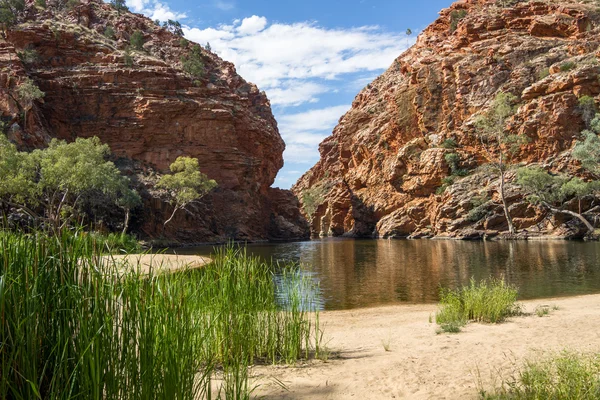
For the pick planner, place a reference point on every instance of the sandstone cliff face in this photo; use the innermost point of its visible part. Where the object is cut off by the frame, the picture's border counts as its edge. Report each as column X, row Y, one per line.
column 380, row 170
column 151, row 113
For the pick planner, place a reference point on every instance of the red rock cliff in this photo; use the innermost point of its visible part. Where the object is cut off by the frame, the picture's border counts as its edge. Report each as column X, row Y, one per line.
column 381, row 171
column 151, row 113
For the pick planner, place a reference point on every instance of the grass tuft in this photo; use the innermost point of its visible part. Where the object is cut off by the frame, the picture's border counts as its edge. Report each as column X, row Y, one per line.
column 490, row 301
column 563, row 377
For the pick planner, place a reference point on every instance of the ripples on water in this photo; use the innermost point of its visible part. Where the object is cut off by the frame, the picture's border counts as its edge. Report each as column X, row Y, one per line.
column 364, row 273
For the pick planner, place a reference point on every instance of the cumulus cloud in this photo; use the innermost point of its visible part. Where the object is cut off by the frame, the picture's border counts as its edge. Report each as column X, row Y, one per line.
column 302, row 132
column 278, row 56
column 154, row 10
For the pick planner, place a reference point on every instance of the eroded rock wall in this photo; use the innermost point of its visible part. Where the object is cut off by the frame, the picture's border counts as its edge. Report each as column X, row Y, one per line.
column 151, row 112
column 381, row 171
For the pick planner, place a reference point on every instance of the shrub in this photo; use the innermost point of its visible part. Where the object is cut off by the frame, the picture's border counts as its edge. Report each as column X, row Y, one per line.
column 40, row 3
column 587, row 108
column 29, row 56
column 192, row 63
column 137, row 40
column 455, row 17
column 119, row 5
column 449, row 144
column 453, row 160
column 567, row 66
column 543, row 73
column 128, row 58
column 490, row 301
column 109, row 32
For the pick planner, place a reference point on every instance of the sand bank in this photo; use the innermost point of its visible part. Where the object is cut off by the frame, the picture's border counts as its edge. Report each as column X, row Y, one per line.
column 157, row 262
column 422, row 364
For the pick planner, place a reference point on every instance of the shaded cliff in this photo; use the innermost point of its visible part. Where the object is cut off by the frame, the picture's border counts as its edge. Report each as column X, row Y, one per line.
column 384, row 172
column 150, row 111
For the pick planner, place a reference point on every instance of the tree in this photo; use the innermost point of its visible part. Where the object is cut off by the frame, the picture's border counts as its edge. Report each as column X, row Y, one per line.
column 137, row 40
column 552, row 191
column 192, row 63
column 587, row 151
column 208, row 47
column 18, row 174
column 173, row 27
column 28, row 92
column 499, row 146
column 68, row 171
column 9, row 10
column 185, row 185
column 127, row 200
column 119, row 5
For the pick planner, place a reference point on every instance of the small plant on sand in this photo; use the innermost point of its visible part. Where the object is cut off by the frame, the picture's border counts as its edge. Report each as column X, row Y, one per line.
column 541, row 311
column 562, row 377
column 490, row 301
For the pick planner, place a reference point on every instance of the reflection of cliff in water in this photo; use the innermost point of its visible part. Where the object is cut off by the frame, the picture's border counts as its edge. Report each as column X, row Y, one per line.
column 362, row 273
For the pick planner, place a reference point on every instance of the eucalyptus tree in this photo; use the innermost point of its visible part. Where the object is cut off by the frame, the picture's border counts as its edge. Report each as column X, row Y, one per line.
column 185, row 185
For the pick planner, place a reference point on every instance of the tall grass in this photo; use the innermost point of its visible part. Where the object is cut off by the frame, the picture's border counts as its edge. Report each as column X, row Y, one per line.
column 75, row 327
column 563, row 377
column 489, row 301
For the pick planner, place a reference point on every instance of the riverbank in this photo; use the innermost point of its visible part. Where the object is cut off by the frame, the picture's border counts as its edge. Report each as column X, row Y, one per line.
column 421, row 364
column 155, row 262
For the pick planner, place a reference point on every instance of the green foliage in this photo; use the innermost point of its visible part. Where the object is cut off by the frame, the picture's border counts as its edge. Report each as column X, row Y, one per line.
column 587, row 108
column 544, row 73
column 312, row 198
column 186, row 184
column 173, row 27
column 41, row 3
column 553, row 189
column 109, row 32
column 137, row 40
column 17, row 172
column 71, row 4
column 446, row 183
column 490, row 301
column 28, row 92
column 183, row 42
column 479, row 210
column 208, row 47
column 455, row 17
column 192, row 63
column 119, row 5
column 9, row 9
column 567, row 66
column 75, row 327
column 453, row 160
column 449, row 144
column 565, row 376
column 588, row 150
column 29, row 56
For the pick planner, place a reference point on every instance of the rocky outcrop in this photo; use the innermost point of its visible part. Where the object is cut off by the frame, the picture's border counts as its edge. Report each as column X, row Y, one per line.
column 150, row 111
column 383, row 172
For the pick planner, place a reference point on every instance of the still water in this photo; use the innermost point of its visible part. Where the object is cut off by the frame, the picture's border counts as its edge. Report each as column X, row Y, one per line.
column 366, row 273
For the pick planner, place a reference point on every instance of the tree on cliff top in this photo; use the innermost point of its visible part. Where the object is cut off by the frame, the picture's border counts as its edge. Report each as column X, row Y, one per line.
column 499, row 147
column 119, row 5
column 9, row 10
column 185, row 185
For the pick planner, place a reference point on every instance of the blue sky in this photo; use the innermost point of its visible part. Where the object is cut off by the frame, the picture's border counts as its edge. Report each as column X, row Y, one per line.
column 311, row 57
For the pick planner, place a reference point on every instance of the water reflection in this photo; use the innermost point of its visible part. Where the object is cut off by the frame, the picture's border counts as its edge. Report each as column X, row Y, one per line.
column 362, row 273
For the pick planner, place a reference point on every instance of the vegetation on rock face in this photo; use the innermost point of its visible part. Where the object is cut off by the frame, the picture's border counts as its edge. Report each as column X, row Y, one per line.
column 119, row 5
column 312, row 198
column 553, row 191
column 173, row 27
column 137, row 40
column 192, row 63
column 27, row 93
column 487, row 301
column 9, row 10
column 499, row 146
column 455, row 17
column 185, row 185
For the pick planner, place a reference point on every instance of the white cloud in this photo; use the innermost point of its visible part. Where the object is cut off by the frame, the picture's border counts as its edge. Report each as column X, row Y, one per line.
column 155, row 10
column 302, row 132
column 252, row 25
column 278, row 56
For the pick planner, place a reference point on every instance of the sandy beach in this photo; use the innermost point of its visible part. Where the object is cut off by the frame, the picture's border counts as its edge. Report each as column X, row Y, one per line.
column 421, row 364
column 156, row 262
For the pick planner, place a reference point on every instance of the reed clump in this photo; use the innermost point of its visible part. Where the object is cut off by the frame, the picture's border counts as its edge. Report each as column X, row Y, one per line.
column 490, row 301
column 562, row 377
column 74, row 327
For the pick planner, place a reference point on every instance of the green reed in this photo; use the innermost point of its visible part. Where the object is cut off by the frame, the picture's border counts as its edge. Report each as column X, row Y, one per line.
column 76, row 327
column 490, row 301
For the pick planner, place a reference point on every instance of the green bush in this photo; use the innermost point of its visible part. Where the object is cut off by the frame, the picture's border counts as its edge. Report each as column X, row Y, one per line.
column 192, row 63
column 137, row 40
column 544, row 73
column 566, row 376
column 109, row 32
column 455, row 17
column 449, row 144
column 490, row 301
column 567, row 66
